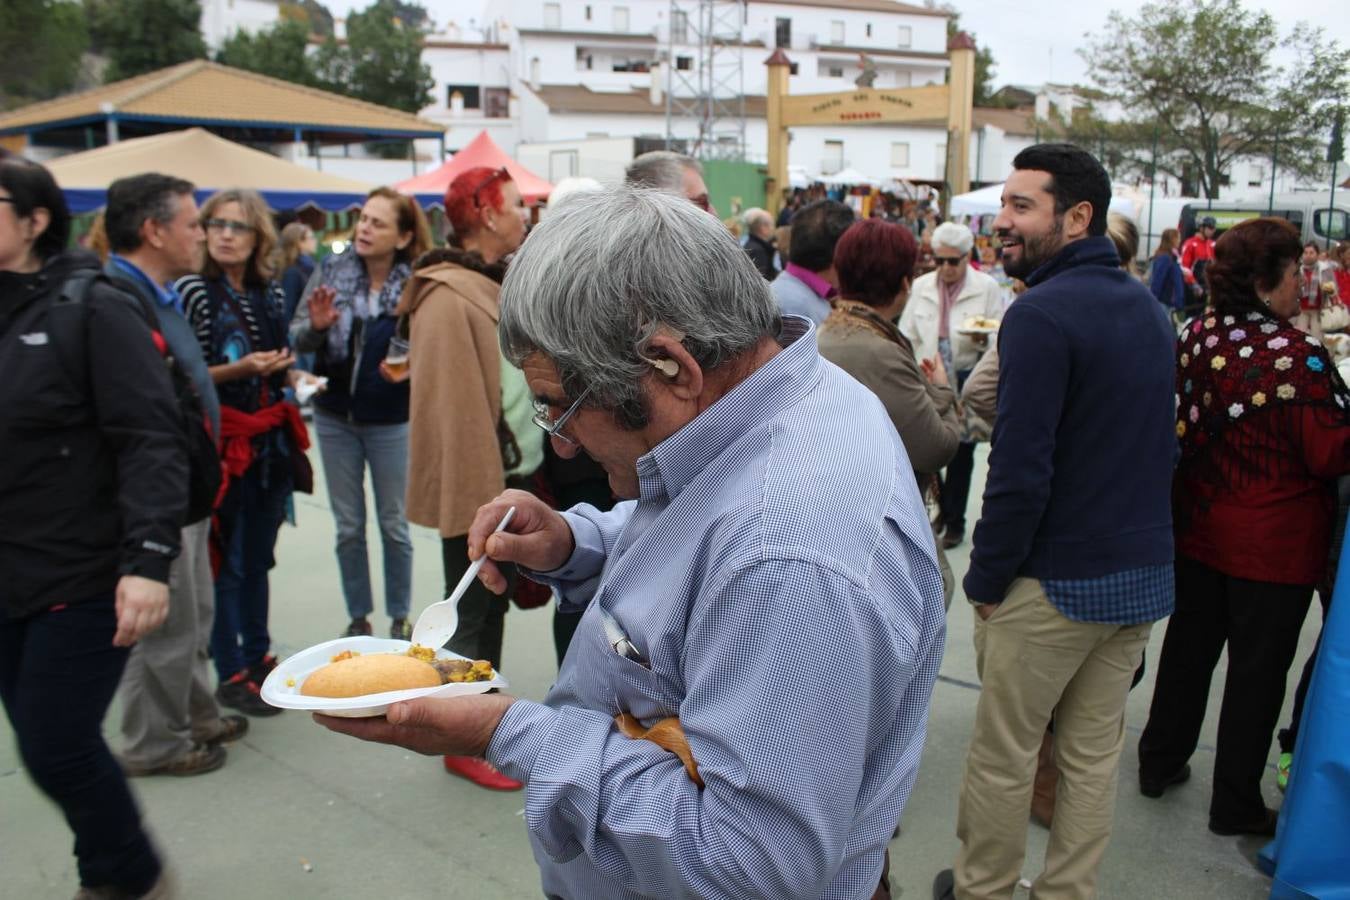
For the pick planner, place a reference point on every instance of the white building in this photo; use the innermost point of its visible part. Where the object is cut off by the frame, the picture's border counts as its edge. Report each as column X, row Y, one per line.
column 575, row 73
column 222, row 18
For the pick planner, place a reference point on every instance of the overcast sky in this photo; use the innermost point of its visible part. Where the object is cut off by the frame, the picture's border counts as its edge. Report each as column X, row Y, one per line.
column 1035, row 41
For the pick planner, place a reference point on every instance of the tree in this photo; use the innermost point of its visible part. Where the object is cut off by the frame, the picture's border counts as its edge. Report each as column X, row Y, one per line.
column 141, row 36
column 310, row 13
column 1201, row 76
column 278, row 51
column 41, row 42
column 381, row 62
column 984, row 59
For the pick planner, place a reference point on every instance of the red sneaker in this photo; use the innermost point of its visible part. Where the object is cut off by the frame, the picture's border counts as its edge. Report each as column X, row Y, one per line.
column 481, row 772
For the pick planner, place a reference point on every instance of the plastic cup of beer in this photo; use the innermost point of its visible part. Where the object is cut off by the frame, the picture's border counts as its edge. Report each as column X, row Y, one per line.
column 396, row 357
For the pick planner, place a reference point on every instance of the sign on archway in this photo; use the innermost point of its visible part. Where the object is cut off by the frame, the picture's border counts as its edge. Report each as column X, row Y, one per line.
column 875, row 106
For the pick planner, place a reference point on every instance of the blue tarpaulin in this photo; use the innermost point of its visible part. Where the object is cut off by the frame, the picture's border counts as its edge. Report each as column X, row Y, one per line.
column 1310, row 856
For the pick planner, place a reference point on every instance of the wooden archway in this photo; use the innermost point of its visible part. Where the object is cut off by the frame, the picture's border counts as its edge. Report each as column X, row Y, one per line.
column 952, row 101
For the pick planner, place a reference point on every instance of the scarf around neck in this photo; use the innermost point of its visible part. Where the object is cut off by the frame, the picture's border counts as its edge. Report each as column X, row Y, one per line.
column 1235, row 369
column 346, row 274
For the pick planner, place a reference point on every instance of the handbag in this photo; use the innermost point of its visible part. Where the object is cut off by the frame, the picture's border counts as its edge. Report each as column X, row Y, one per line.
column 1334, row 317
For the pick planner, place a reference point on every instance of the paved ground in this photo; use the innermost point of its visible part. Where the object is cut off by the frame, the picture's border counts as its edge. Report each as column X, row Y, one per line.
column 298, row 812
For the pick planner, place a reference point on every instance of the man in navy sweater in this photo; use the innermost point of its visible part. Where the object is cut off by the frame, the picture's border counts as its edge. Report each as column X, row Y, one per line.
column 1072, row 556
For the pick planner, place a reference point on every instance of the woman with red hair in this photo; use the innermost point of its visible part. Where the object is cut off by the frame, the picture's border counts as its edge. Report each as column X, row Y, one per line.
column 470, row 415
column 874, row 260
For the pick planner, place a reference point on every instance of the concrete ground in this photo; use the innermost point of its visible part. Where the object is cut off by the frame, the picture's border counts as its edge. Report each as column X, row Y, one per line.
column 298, row 812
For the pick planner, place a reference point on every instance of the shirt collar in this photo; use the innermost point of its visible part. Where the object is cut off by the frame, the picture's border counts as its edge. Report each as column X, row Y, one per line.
column 675, row 462
column 824, row 290
column 163, row 295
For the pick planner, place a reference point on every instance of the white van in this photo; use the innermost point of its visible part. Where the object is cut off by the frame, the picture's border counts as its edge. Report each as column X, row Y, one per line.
column 1311, row 213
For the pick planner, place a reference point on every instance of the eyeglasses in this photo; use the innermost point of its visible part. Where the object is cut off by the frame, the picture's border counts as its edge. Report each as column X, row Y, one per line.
column 553, row 427
column 500, row 174
column 230, row 225
column 948, row 260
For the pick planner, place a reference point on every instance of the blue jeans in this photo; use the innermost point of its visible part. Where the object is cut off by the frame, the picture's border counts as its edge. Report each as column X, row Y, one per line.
column 346, row 448
column 250, row 517
column 58, row 672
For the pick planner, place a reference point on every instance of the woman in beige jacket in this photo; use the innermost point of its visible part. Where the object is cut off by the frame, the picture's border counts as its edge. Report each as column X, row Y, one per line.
column 470, row 429
column 874, row 260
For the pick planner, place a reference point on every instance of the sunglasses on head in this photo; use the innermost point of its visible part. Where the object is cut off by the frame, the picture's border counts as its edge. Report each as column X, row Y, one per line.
column 499, row 175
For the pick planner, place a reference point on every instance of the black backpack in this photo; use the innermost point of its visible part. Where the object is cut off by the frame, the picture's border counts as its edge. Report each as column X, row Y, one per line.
column 68, row 325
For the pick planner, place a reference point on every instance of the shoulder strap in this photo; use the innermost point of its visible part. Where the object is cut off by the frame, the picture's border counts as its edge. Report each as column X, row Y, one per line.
column 66, row 323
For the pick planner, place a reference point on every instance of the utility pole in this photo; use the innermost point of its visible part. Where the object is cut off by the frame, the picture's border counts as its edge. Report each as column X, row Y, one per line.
column 1335, row 150
column 1152, row 188
column 1274, row 159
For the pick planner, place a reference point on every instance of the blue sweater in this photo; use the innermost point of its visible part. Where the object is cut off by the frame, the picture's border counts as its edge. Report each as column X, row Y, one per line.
column 1080, row 473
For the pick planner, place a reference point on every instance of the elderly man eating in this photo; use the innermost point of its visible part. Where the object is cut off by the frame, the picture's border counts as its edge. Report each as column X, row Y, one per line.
column 768, row 593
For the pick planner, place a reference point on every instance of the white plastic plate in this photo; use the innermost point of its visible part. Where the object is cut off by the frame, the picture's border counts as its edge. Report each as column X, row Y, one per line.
column 296, row 668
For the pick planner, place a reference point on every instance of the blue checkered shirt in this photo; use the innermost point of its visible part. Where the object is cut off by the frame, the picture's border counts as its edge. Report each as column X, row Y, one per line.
column 1132, row 597
column 778, row 582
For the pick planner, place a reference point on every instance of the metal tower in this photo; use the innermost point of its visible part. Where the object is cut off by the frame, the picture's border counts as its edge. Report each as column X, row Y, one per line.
column 705, row 78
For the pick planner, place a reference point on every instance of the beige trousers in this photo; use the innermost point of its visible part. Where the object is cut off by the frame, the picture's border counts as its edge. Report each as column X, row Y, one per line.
column 167, row 704
column 1034, row 662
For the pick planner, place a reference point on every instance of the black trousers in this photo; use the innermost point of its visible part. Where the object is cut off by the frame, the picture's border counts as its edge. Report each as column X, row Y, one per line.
column 955, row 491
column 58, row 672
column 1260, row 623
column 954, row 494
column 482, row 614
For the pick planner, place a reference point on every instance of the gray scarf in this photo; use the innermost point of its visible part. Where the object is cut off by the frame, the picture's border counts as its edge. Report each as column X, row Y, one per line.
column 346, row 274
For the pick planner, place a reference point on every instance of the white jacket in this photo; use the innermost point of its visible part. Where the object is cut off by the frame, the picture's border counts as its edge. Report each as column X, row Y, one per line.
column 980, row 296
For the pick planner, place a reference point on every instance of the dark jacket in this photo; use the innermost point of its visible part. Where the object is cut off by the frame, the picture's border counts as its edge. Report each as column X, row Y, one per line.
column 1166, row 282
column 293, row 282
column 761, row 254
column 1084, row 442
column 356, row 391
column 94, row 481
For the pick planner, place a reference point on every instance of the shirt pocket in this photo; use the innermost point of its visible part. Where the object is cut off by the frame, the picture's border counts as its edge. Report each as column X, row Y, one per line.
column 610, row 681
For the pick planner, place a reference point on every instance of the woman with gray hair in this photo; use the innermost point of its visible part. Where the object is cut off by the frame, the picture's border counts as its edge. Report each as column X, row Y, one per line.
column 935, row 322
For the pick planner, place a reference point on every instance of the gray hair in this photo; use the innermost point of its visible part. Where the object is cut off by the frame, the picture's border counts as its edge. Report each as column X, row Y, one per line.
column 755, row 216
column 662, row 170
column 599, row 278
column 949, row 234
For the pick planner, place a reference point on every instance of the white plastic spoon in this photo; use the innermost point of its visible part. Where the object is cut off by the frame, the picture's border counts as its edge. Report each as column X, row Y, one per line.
column 439, row 621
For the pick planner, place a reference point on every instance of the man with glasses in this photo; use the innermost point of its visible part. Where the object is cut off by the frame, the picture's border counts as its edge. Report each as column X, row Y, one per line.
column 674, row 173
column 765, row 608
column 935, row 321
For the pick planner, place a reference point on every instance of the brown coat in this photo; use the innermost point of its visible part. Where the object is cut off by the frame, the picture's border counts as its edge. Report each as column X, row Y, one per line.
column 923, row 413
column 454, row 455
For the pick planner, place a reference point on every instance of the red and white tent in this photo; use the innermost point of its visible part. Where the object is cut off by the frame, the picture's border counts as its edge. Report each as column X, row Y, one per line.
column 430, row 187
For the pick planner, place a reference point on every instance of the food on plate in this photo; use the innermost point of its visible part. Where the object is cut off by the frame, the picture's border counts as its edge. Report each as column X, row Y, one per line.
column 345, row 654
column 374, row 673
column 457, row 671
column 426, row 654
column 979, row 323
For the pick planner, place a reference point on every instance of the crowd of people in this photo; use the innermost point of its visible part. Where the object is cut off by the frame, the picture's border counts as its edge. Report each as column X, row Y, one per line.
column 727, row 460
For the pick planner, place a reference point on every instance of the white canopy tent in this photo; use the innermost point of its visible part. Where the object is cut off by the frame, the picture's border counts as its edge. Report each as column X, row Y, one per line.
column 986, row 202
column 849, row 177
